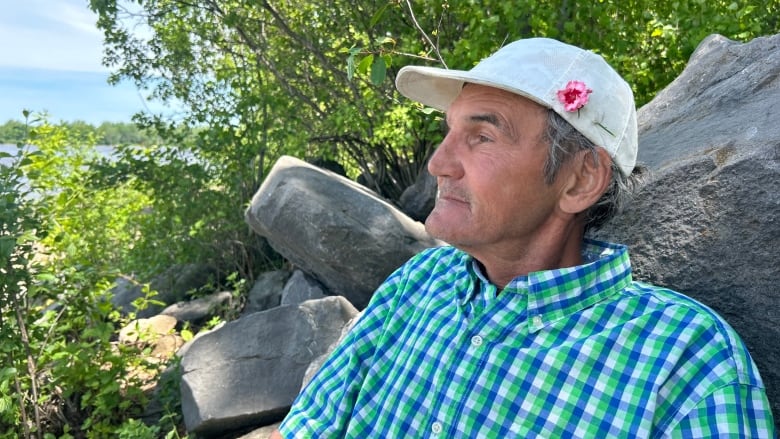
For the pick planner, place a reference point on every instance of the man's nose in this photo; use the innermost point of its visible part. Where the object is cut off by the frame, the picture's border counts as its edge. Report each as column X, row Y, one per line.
column 445, row 162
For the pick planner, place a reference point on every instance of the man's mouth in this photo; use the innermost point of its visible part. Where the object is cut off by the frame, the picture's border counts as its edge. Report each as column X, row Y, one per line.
column 452, row 196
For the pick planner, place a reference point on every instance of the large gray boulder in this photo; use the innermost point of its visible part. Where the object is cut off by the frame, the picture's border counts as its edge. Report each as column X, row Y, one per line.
column 706, row 223
column 248, row 372
column 726, row 97
column 334, row 229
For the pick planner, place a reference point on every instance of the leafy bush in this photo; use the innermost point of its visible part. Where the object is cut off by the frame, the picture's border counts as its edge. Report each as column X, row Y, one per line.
column 64, row 374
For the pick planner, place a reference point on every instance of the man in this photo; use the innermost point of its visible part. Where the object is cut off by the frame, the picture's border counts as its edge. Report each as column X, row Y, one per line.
column 524, row 328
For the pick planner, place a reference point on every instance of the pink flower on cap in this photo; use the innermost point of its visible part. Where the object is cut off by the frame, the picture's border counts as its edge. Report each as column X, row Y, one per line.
column 574, row 96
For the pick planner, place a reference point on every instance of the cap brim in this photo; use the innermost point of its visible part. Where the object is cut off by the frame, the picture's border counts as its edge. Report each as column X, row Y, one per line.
column 437, row 87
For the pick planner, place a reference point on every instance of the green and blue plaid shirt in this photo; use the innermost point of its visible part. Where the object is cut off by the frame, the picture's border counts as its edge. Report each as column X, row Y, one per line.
column 574, row 352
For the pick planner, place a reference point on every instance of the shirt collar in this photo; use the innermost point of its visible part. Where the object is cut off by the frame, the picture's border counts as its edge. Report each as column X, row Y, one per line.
column 555, row 294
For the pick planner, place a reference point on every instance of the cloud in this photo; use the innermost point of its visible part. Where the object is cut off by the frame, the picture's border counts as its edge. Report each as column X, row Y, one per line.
column 50, row 60
column 45, row 34
column 77, row 16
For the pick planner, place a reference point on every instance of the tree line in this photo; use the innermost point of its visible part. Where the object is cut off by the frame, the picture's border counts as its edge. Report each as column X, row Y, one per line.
column 107, row 133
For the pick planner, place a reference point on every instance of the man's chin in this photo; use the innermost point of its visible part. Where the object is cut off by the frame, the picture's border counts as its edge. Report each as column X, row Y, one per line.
column 432, row 227
column 437, row 228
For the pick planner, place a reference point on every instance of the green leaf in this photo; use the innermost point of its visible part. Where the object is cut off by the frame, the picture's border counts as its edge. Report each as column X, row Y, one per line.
column 46, row 277
column 353, row 52
column 365, row 63
column 5, row 404
column 378, row 15
column 378, row 71
column 186, row 334
column 388, row 60
column 387, row 40
column 7, row 372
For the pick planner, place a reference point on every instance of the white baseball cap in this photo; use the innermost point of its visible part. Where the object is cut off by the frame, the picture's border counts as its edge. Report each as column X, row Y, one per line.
column 575, row 83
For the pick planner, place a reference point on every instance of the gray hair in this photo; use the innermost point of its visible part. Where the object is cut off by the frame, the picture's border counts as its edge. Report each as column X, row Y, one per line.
column 565, row 142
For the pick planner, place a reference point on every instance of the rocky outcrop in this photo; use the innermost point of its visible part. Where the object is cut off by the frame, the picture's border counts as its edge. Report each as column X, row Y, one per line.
column 339, row 232
column 342, row 240
column 707, row 223
column 725, row 98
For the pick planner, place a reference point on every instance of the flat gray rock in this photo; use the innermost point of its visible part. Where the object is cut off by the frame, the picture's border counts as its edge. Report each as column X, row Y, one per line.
column 248, row 372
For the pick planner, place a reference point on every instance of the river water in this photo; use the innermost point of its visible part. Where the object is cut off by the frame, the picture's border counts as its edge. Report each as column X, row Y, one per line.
column 106, row 150
column 10, row 149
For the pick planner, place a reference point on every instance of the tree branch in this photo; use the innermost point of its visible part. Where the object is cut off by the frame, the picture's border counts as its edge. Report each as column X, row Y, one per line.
column 424, row 35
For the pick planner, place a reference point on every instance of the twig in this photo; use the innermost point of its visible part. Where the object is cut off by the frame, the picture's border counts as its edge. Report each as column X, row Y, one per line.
column 427, row 38
column 30, row 367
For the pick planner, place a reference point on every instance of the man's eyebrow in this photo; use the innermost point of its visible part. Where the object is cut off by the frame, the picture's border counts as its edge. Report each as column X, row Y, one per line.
column 487, row 117
column 490, row 118
column 495, row 120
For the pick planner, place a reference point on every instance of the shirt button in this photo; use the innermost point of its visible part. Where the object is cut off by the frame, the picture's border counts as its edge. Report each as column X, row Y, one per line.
column 476, row 340
column 537, row 320
column 436, row 428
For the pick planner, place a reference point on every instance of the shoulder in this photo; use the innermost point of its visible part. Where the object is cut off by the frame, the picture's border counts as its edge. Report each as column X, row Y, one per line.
column 671, row 300
column 700, row 332
column 708, row 369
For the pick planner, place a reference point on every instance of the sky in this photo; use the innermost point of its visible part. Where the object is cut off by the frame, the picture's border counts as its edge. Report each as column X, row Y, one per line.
column 50, row 60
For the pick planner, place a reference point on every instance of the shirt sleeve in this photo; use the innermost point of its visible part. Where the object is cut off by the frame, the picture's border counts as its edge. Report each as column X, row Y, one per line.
column 324, row 407
column 733, row 411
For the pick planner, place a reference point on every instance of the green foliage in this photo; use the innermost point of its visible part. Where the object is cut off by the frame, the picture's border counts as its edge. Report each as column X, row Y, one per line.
column 13, row 132
column 59, row 241
column 90, row 227
column 265, row 80
column 18, row 223
column 134, row 429
column 648, row 42
column 119, row 133
column 315, row 79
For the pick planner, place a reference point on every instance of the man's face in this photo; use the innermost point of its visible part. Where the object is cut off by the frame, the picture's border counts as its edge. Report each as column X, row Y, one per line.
column 489, row 167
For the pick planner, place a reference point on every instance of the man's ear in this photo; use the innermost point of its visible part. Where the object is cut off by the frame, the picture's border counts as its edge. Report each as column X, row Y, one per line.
column 587, row 180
